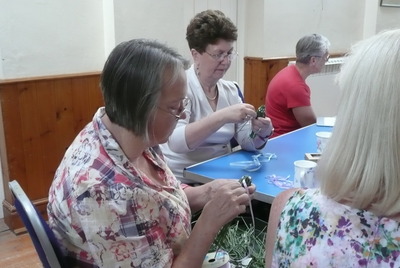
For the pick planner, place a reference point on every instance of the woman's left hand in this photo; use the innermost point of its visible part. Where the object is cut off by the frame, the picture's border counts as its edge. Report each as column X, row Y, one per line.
column 262, row 126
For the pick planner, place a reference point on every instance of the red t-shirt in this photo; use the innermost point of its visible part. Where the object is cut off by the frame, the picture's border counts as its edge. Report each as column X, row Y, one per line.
column 286, row 90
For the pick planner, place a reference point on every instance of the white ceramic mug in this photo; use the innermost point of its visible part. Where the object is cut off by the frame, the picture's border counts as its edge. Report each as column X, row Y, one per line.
column 322, row 140
column 304, row 174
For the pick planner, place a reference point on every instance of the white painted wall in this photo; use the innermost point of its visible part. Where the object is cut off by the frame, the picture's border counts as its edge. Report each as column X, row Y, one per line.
column 48, row 37
column 45, row 37
column 325, row 94
column 387, row 18
column 166, row 21
column 341, row 21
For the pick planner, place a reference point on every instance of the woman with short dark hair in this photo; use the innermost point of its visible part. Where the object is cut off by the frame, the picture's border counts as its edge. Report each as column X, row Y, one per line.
column 216, row 112
column 114, row 202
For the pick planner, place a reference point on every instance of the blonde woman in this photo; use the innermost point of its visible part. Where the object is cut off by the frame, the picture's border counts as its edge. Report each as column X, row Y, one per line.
column 353, row 220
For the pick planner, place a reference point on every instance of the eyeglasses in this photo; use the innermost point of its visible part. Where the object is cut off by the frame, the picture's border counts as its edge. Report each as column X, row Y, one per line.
column 221, row 56
column 317, row 56
column 177, row 112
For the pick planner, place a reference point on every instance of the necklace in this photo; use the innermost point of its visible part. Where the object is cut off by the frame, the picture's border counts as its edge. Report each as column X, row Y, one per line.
column 211, row 99
column 198, row 77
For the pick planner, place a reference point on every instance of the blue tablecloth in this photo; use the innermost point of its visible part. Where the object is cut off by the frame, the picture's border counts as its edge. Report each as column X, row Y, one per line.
column 288, row 148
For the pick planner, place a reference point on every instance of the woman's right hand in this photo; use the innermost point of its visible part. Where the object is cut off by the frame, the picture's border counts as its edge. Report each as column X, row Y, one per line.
column 238, row 113
column 228, row 199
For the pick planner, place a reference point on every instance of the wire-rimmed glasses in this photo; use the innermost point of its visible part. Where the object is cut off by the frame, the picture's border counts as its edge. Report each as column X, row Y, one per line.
column 326, row 58
column 222, row 56
column 177, row 113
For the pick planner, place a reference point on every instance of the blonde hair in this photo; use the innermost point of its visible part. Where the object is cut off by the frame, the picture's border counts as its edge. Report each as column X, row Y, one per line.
column 361, row 163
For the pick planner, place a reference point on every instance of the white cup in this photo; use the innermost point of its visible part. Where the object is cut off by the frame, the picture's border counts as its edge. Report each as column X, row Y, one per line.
column 219, row 259
column 304, row 174
column 322, row 140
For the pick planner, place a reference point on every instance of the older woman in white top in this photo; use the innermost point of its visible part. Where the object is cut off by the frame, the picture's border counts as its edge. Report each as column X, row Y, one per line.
column 215, row 113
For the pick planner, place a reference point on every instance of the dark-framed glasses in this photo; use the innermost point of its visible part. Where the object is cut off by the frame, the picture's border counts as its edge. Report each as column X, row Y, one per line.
column 222, row 56
column 177, row 113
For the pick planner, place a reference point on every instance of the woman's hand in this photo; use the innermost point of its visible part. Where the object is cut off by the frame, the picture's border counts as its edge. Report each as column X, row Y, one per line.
column 262, row 126
column 238, row 113
column 227, row 199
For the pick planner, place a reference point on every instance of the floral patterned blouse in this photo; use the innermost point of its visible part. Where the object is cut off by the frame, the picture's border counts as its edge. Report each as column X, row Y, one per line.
column 107, row 213
column 315, row 231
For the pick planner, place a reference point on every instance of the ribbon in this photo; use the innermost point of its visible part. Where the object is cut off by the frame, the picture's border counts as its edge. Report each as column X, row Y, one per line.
column 281, row 182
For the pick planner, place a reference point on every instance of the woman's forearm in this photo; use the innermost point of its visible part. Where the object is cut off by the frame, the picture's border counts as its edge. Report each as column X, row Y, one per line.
column 198, row 196
column 198, row 244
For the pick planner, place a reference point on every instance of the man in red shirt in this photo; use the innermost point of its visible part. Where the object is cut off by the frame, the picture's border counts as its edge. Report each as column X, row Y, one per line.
column 288, row 97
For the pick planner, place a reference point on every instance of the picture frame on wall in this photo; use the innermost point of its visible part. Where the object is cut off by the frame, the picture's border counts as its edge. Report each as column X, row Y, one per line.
column 390, row 3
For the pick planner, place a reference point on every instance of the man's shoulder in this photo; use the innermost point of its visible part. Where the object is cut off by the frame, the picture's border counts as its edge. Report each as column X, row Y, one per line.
column 287, row 75
column 290, row 69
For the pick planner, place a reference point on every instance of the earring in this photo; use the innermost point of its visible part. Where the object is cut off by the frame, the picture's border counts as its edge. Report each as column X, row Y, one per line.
column 197, row 70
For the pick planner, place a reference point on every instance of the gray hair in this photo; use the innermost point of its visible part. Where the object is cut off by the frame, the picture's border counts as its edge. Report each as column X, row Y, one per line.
column 133, row 77
column 361, row 163
column 311, row 45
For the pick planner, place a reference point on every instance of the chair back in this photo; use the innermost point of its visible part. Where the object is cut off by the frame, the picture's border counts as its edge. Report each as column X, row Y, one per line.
column 42, row 236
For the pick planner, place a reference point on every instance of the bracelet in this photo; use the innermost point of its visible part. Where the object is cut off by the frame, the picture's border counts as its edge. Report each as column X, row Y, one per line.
column 266, row 137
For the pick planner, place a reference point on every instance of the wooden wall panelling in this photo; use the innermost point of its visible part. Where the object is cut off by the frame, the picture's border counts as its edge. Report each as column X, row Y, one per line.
column 40, row 118
column 35, row 129
column 258, row 72
column 254, row 80
column 12, row 135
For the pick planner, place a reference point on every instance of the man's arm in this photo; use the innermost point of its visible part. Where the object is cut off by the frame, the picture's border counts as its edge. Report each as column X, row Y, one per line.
column 304, row 115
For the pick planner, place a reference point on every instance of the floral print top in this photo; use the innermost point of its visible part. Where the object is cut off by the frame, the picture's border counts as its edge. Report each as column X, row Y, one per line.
column 315, row 231
column 107, row 213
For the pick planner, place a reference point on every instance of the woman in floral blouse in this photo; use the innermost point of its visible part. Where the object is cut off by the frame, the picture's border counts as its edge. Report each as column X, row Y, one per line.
column 113, row 201
column 353, row 220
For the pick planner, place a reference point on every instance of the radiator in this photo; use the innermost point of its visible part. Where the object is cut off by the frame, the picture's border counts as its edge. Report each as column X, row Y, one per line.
column 324, row 90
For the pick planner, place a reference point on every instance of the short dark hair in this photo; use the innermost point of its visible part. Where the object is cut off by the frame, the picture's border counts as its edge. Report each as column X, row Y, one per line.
column 133, row 77
column 311, row 45
column 207, row 27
